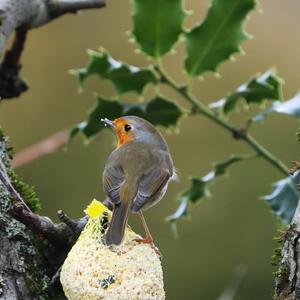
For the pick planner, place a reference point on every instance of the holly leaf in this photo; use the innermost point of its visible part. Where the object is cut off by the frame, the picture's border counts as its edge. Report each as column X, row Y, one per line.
column 284, row 197
column 157, row 25
column 259, row 88
column 290, row 107
column 159, row 111
column 200, row 187
column 218, row 36
column 265, row 86
column 124, row 77
column 102, row 108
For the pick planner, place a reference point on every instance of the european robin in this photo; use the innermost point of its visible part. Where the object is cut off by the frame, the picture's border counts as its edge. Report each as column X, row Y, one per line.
column 136, row 174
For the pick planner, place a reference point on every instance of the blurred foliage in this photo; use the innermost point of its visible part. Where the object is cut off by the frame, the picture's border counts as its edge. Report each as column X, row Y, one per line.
column 290, row 107
column 284, row 197
column 208, row 44
column 158, row 111
column 200, row 186
column 259, row 88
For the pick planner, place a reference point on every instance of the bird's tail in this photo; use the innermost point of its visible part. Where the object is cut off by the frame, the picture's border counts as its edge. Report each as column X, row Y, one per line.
column 115, row 232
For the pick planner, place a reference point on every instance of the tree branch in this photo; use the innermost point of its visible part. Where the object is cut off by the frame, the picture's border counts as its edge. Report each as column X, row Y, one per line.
column 200, row 108
column 21, row 16
column 61, row 236
column 28, row 14
column 60, row 7
column 39, row 225
column 44, row 147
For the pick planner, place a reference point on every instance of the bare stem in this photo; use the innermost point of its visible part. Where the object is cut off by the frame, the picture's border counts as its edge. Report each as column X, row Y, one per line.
column 40, row 149
column 199, row 107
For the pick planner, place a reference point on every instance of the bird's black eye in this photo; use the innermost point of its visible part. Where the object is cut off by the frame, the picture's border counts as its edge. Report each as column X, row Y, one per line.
column 127, row 127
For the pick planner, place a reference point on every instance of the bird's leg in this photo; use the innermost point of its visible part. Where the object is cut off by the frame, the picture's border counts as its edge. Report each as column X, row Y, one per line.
column 148, row 239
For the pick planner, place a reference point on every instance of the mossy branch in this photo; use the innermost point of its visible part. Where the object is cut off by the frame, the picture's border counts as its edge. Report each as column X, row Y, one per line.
column 59, row 235
column 35, row 258
column 287, row 277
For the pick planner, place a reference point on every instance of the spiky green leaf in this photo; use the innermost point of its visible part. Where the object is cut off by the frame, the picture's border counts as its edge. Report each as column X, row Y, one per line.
column 284, row 197
column 218, row 36
column 200, row 187
column 298, row 135
column 290, row 107
column 259, row 88
column 124, row 77
column 157, row 25
column 158, row 111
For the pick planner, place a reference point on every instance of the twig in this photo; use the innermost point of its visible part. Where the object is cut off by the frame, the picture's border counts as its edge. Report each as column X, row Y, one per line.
column 28, row 14
column 231, row 290
column 60, row 235
column 56, row 277
column 40, row 225
column 11, row 85
column 44, row 147
column 65, row 219
column 60, row 7
column 76, row 226
column 237, row 134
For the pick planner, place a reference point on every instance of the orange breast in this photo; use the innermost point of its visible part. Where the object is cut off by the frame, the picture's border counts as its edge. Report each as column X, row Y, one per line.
column 124, row 137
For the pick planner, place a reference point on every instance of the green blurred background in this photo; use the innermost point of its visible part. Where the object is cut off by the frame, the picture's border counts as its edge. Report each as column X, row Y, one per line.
column 231, row 228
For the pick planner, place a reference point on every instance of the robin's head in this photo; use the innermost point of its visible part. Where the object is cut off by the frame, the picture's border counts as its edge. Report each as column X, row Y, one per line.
column 130, row 128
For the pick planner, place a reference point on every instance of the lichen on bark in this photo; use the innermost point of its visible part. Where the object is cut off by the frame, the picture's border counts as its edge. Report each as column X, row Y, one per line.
column 23, row 274
column 287, row 278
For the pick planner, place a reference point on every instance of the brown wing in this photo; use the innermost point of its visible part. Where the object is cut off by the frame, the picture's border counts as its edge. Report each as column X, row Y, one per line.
column 113, row 177
column 150, row 186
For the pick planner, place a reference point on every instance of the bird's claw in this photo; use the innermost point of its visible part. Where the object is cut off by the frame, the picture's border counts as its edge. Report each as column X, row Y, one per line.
column 149, row 240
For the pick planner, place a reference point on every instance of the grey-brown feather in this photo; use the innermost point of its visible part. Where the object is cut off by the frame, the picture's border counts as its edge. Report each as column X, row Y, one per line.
column 117, row 225
column 151, row 189
column 136, row 176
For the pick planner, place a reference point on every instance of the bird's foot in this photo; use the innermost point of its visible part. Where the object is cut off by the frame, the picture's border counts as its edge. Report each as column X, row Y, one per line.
column 149, row 240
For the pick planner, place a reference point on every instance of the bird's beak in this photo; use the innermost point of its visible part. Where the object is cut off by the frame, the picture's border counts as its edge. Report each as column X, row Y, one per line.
column 108, row 122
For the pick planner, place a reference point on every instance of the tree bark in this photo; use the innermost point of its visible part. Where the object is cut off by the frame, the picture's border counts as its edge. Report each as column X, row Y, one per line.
column 287, row 278
column 32, row 247
column 22, row 272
